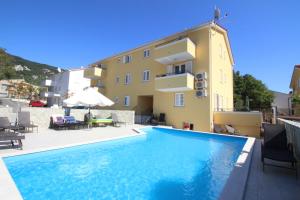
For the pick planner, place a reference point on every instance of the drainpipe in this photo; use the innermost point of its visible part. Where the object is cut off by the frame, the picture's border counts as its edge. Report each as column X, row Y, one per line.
column 210, row 75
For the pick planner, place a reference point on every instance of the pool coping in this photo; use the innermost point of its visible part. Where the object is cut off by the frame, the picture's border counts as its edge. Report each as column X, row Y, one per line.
column 9, row 189
column 233, row 189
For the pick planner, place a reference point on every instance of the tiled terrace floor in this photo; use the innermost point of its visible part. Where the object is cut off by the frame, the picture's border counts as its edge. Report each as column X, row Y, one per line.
column 272, row 184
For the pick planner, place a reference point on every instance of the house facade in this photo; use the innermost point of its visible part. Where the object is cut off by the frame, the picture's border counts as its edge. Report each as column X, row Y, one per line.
column 64, row 84
column 295, row 86
column 187, row 76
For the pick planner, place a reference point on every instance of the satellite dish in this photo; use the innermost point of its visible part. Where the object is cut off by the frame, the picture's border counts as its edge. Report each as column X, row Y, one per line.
column 59, row 69
column 217, row 14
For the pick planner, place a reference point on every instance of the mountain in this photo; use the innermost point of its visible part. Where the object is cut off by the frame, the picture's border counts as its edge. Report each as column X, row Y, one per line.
column 13, row 67
column 32, row 72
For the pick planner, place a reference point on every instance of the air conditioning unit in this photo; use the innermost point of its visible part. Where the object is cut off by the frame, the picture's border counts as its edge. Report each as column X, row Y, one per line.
column 200, row 84
column 201, row 76
column 201, row 93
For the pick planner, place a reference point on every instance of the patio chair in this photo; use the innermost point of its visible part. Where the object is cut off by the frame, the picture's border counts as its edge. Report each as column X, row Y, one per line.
column 6, row 136
column 116, row 121
column 162, row 119
column 275, row 147
column 5, row 124
column 24, row 120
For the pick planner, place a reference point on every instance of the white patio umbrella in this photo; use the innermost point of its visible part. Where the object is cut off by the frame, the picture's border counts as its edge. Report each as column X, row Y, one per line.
column 89, row 97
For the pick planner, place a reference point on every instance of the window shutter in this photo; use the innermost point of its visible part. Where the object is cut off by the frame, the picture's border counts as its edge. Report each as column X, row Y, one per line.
column 189, row 66
column 128, row 100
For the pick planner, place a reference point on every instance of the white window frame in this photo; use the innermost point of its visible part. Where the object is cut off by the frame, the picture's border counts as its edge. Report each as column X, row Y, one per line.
column 127, row 80
column 147, row 76
column 127, row 59
column 127, row 101
column 179, row 99
column 146, row 53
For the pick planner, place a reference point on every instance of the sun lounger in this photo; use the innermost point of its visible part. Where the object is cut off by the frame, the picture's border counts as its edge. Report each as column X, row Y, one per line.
column 6, row 125
column 7, row 136
column 72, row 123
column 24, row 120
column 57, row 122
column 101, row 121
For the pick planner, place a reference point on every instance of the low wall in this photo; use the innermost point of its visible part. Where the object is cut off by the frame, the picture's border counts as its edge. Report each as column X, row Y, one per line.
column 246, row 123
column 41, row 116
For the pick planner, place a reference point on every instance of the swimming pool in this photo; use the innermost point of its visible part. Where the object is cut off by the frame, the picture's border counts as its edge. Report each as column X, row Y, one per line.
column 162, row 164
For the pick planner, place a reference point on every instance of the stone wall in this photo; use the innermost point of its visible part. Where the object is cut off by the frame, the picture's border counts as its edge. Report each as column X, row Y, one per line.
column 41, row 116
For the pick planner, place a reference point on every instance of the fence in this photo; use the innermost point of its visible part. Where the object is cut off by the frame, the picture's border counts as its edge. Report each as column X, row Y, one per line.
column 293, row 134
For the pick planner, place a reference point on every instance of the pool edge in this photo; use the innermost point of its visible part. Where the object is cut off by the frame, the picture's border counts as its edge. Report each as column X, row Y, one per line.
column 235, row 186
column 8, row 187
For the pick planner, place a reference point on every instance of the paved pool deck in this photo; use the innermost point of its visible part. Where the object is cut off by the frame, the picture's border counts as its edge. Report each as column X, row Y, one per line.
column 274, row 183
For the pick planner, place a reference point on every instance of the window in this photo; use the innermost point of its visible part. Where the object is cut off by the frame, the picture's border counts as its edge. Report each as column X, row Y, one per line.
column 127, row 79
column 126, row 100
column 146, row 53
column 116, row 99
column 179, row 69
column 179, row 99
column 127, row 59
column 146, row 75
column 299, row 83
column 117, row 79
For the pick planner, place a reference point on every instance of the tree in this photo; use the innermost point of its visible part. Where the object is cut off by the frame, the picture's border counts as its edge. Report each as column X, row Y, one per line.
column 6, row 69
column 250, row 93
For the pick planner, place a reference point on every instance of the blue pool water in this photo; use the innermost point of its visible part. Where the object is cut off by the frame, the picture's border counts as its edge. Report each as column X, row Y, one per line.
column 163, row 164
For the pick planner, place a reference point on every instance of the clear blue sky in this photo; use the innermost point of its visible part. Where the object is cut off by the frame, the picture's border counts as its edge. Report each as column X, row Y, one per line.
column 265, row 35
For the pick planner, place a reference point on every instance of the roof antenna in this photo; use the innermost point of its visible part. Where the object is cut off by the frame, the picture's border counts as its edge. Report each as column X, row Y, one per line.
column 217, row 15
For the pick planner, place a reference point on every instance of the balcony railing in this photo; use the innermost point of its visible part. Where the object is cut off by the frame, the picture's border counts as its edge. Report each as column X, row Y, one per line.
column 93, row 73
column 175, row 51
column 47, row 83
column 174, row 82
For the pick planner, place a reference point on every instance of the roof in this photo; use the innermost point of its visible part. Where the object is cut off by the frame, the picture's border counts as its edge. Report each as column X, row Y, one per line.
column 210, row 24
column 296, row 68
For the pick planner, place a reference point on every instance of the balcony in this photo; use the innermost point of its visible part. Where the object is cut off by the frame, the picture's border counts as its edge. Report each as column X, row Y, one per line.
column 47, row 83
column 176, row 51
column 100, row 85
column 49, row 94
column 92, row 73
column 174, row 82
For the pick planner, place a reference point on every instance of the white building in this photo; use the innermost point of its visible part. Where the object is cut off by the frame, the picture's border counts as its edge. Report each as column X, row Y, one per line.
column 282, row 103
column 63, row 85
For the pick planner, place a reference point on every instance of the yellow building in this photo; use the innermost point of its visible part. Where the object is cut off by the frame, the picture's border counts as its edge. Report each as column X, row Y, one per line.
column 295, row 86
column 187, row 76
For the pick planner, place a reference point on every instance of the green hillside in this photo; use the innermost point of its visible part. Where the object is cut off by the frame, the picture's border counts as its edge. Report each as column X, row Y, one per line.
column 12, row 67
